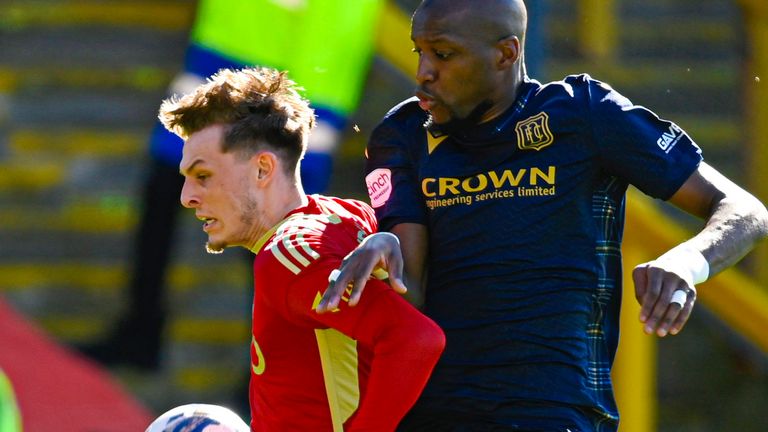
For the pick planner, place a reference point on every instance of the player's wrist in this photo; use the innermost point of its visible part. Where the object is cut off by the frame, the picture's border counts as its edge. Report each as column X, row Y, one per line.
column 687, row 262
column 385, row 239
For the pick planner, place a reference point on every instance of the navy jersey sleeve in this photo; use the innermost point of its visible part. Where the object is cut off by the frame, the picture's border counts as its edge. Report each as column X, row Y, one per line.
column 391, row 174
column 635, row 145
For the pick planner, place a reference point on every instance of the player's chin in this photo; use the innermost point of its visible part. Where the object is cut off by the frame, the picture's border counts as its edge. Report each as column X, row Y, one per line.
column 440, row 116
column 215, row 248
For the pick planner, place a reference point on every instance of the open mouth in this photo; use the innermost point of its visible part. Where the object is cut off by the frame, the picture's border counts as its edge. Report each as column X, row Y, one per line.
column 207, row 222
column 426, row 101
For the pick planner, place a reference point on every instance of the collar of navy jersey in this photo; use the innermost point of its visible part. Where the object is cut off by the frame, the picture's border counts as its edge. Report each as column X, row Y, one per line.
column 527, row 90
column 486, row 133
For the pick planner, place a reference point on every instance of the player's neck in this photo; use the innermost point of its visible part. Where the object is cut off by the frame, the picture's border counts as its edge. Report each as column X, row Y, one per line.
column 287, row 197
column 282, row 198
column 505, row 96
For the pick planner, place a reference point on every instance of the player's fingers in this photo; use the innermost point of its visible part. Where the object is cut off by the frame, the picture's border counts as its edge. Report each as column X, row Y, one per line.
column 332, row 295
column 329, row 301
column 662, row 314
column 359, row 281
column 670, row 316
column 398, row 285
column 651, row 291
column 395, row 270
column 685, row 313
column 357, row 290
column 640, row 279
column 339, row 280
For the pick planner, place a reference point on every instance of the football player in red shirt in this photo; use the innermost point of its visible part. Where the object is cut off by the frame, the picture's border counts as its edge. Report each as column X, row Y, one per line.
column 356, row 369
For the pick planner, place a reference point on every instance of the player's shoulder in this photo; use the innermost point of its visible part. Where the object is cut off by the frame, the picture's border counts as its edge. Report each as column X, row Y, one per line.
column 300, row 239
column 341, row 206
column 398, row 127
column 347, row 209
column 404, row 109
column 576, row 91
column 404, row 114
column 585, row 85
column 327, row 228
column 310, row 221
column 323, row 210
column 572, row 85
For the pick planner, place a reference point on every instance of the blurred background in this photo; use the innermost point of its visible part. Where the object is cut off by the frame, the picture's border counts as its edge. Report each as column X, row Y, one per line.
column 80, row 85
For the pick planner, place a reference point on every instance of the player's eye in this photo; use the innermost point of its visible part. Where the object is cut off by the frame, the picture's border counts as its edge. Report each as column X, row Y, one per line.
column 443, row 55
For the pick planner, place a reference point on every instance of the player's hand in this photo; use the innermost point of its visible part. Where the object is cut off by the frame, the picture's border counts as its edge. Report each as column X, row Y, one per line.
column 666, row 298
column 377, row 250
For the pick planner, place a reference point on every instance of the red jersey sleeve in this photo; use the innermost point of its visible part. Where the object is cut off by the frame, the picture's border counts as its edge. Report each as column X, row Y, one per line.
column 405, row 344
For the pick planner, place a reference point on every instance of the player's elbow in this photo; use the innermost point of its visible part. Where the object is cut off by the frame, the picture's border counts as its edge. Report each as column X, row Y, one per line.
column 754, row 216
column 428, row 341
column 438, row 343
column 762, row 218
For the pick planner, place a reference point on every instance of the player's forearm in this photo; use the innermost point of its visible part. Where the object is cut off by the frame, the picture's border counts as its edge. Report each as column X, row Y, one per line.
column 736, row 224
column 735, row 220
column 402, row 363
column 414, row 245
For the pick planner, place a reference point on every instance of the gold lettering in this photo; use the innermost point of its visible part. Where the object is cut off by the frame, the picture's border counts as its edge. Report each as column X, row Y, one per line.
column 448, row 184
column 537, row 131
column 529, row 132
column 425, row 187
column 493, row 182
column 537, row 173
column 506, row 176
column 482, row 182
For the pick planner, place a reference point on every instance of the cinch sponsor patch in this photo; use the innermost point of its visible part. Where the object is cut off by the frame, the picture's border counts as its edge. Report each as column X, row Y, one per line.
column 379, row 183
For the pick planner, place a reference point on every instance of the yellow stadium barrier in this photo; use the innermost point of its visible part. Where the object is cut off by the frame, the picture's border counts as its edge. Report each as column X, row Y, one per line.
column 597, row 28
column 756, row 91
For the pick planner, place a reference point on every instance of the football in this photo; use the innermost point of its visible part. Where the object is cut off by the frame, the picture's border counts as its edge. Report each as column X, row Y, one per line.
column 199, row 418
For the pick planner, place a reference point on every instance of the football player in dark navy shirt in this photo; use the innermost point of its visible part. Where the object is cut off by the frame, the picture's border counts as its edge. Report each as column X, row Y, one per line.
column 507, row 197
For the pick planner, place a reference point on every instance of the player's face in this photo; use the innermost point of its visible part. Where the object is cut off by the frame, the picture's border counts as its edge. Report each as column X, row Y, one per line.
column 456, row 71
column 218, row 186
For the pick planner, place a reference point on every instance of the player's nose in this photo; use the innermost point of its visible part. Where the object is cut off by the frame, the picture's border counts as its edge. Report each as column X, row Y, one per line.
column 189, row 197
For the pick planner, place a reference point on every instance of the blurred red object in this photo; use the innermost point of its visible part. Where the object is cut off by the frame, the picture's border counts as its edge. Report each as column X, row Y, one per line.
column 58, row 389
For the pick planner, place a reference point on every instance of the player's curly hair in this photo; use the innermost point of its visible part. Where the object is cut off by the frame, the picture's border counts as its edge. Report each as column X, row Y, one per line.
column 261, row 108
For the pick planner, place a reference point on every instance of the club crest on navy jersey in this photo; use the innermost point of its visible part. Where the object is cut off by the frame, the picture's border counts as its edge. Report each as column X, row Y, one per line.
column 533, row 133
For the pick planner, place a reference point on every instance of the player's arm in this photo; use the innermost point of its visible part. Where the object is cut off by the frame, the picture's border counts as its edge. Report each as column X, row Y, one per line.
column 404, row 343
column 413, row 246
column 405, row 248
column 400, row 210
column 735, row 222
column 406, row 346
column 660, row 159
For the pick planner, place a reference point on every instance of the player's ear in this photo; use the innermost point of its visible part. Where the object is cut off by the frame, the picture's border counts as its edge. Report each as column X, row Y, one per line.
column 264, row 165
column 509, row 50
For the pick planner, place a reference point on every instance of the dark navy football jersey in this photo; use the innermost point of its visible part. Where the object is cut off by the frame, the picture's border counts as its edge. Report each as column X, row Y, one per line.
column 525, row 217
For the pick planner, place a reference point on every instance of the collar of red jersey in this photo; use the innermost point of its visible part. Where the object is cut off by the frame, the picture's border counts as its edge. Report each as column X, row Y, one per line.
column 267, row 235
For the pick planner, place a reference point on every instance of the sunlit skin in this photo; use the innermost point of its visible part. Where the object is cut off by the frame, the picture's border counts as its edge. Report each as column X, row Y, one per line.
column 464, row 63
column 237, row 197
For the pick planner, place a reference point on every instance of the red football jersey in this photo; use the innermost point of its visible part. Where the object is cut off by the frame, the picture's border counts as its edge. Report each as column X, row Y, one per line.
column 355, row 369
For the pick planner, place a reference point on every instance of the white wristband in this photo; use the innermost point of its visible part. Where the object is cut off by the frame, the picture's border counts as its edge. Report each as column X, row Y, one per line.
column 686, row 262
column 334, row 275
